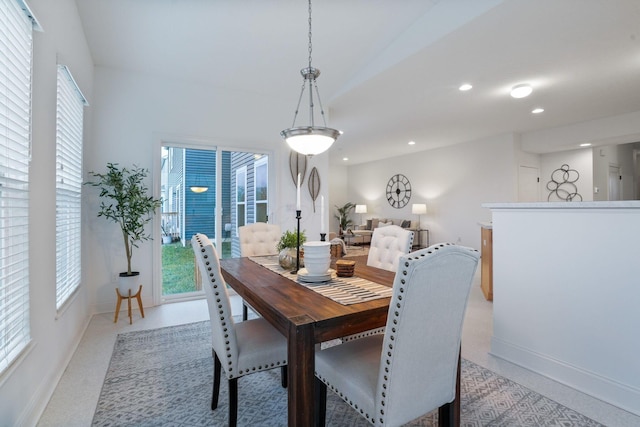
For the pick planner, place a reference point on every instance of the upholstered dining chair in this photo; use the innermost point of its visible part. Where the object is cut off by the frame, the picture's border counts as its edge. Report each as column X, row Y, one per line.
column 258, row 239
column 388, row 244
column 411, row 369
column 240, row 348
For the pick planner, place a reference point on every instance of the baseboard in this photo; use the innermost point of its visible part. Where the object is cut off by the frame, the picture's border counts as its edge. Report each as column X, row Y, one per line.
column 623, row 396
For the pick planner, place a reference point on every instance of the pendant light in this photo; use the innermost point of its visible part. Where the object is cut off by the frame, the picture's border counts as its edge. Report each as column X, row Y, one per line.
column 311, row 139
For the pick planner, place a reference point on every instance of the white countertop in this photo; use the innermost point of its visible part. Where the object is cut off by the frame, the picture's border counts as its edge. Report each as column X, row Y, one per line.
column 623, row 204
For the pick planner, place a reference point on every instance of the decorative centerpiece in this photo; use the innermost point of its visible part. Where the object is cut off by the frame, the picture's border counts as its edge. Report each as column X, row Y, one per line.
column 317, row 257
column 287, row 249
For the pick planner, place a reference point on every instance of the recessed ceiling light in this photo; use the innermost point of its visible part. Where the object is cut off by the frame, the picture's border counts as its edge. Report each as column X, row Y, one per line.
column 345, row 158
column 586, row 144
column 412, row 143
column 537, row 110
column 465, row 87
column 521, row 91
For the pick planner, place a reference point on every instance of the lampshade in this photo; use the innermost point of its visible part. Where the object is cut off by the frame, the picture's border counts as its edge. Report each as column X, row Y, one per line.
column 309, row 140
column 361, row 209
column 419, row 209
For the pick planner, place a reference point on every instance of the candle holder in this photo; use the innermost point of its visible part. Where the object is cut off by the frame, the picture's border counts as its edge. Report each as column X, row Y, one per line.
column 323, row 237
column 298, row 217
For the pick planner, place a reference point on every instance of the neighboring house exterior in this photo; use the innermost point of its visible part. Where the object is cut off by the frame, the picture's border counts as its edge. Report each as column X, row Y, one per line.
column 243, row 187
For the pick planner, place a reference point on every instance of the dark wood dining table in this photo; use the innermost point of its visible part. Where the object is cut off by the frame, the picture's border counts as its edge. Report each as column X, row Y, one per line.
column 306, row 318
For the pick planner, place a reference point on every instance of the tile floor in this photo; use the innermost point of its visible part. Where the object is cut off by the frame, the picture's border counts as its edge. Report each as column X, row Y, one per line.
column 74, row 400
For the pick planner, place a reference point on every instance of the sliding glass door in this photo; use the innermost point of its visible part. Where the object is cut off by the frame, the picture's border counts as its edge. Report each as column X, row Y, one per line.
column 206, row 191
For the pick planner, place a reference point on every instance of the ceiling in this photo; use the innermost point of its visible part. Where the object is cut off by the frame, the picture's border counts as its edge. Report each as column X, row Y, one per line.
column 390, row 69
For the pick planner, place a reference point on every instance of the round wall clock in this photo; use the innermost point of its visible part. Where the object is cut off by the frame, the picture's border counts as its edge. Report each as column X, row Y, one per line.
column 398, row 191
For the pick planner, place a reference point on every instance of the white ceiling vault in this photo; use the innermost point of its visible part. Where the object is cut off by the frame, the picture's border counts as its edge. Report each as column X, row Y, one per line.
column 391, row 68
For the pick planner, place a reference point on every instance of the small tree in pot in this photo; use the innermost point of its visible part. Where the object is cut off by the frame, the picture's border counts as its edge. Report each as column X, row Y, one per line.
column 125, row 201
column 343, row 216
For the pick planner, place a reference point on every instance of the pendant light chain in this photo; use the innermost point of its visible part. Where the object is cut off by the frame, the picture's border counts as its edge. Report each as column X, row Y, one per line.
column 310, row 47
column 310, row 80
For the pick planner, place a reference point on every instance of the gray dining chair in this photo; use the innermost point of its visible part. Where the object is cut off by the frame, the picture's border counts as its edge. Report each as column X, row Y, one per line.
column 258, row 239
column 411, row 369
column 240, row 348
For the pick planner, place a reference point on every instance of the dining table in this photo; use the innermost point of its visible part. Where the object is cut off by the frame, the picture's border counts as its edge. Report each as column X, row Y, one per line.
column 307, row 318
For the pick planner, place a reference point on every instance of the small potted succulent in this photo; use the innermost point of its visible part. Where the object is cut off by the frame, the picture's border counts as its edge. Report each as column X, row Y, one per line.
column 287, row 249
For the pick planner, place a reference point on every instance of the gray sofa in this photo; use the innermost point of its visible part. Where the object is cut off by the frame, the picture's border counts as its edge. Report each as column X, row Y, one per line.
column 366, row 230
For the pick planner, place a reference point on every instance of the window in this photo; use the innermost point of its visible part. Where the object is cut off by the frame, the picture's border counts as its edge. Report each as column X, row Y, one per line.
column 261, row 184
column 69, row 113
column 15, row 135
column 241, row 197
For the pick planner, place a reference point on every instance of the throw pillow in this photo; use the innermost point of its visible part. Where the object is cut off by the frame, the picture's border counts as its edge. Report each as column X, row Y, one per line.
column 406, row 224
column 385, row 224
column 374, row 223
column 369, row 223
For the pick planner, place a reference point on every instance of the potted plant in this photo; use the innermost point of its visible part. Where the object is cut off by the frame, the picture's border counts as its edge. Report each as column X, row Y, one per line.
column 343, row 216
column 287, row 249
column 166, row 236
column 125, row 201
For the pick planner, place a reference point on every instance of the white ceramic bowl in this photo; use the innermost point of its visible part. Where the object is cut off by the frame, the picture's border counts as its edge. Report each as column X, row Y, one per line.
column 317, row 267
column 316, row 255
column 317, row 246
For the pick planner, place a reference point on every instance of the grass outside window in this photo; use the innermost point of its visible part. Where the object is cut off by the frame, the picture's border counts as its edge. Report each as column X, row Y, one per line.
column 178, row 267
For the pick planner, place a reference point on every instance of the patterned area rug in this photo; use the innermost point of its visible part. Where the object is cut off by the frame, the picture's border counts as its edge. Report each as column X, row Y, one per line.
column 163, row 377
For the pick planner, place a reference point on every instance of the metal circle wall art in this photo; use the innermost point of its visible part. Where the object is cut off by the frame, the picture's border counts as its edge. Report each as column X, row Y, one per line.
column 398, row 191
column 563, row 184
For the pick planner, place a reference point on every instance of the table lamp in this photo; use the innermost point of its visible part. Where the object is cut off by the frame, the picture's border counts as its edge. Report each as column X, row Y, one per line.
column 419, row 209
column 361, row 209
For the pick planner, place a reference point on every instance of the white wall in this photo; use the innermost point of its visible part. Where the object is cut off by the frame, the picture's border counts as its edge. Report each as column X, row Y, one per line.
column 614, row 155
column 26, row 387
column 133, row 113
column 453, row 182
column 565, row 303
column 339, row 193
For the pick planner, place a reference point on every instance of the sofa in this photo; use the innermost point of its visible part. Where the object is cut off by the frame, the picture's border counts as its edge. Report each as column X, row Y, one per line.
column 366, row 230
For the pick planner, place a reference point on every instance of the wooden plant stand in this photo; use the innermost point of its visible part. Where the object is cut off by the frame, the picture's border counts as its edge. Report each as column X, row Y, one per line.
column 137, row 295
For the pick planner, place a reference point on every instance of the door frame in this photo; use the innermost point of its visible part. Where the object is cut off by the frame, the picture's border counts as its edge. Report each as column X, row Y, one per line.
column 197, row 144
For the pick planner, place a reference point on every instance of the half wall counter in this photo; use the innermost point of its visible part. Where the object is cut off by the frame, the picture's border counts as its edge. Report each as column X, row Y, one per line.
column 566, row 277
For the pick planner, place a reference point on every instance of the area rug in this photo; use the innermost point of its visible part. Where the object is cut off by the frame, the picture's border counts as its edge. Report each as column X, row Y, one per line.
column 163, row 377
column 355, row 251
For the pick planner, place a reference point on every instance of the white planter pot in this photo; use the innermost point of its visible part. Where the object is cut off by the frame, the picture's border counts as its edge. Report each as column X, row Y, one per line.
column 129, row 282
column 166, row 240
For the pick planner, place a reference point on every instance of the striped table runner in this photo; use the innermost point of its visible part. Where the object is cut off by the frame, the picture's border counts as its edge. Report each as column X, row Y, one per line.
column 343, row 290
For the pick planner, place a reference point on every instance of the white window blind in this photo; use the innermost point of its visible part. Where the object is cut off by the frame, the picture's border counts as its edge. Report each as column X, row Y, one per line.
column 15, row 120
column 69, row 116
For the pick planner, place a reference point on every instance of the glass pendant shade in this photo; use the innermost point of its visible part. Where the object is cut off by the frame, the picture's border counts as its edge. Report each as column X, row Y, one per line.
column 310, row 140
column 198, row 189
